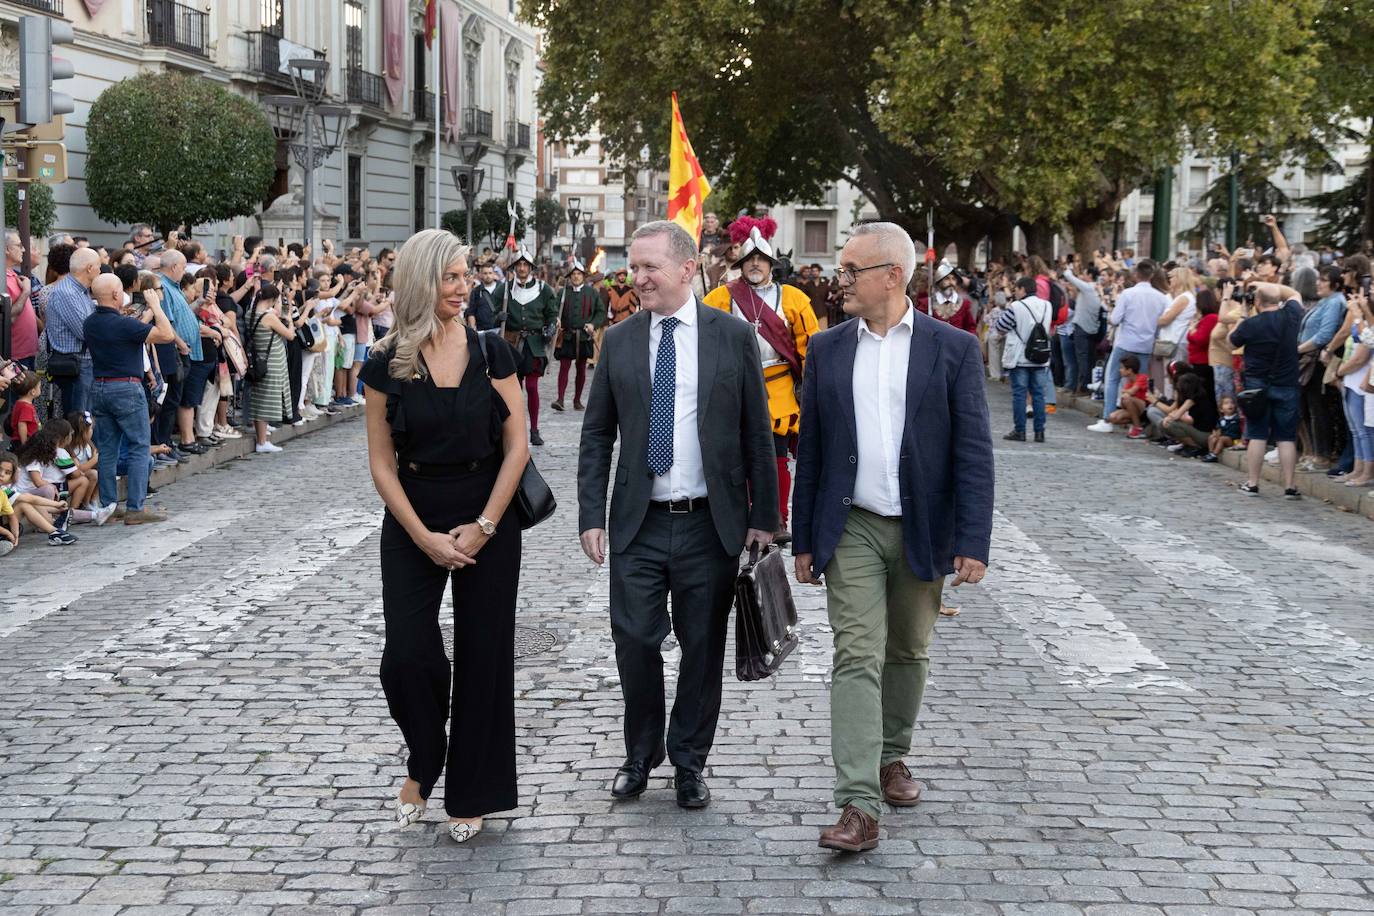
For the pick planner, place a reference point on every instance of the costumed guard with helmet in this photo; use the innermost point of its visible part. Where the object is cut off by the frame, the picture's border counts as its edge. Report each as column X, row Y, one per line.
column 949, row 303
column 527, row 313
column 784, row 321
column 580, row 313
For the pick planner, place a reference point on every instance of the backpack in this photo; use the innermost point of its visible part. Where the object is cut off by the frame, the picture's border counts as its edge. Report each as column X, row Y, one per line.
column 1036, row 347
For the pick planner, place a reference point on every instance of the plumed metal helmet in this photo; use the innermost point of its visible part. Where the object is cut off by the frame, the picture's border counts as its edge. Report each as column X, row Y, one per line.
column 576, row 265
column 755, row 244
column 944, row 270
column 522, row 254
column 752, row 236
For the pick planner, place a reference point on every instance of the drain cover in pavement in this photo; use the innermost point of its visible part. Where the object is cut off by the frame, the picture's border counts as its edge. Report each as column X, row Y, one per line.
column 531, row 642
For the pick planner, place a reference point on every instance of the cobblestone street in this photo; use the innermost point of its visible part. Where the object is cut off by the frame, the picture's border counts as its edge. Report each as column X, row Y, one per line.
column 1158, row 702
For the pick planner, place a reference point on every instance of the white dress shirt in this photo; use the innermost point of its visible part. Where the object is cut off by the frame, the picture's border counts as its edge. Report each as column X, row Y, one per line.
column 771, row 295
column 686, row 479
column 880, row 366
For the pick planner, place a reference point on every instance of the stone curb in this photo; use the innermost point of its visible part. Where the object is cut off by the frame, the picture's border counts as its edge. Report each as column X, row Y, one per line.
column 1316, row 485
column 239, row 448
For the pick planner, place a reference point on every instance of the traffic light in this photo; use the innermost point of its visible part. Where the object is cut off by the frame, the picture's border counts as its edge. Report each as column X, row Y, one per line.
column 38, row 104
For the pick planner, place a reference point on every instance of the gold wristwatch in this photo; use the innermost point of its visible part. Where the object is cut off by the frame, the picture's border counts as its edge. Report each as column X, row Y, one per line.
column 487, row 525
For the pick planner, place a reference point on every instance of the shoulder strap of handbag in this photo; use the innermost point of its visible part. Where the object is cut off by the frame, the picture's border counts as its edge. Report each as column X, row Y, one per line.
column 482, row 346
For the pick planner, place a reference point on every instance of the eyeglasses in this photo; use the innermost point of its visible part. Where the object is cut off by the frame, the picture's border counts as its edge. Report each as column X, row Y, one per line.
column 851, row 274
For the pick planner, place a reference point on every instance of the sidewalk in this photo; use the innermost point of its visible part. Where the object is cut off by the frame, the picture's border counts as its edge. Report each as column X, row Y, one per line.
column 1317, row 485
column 239, row 448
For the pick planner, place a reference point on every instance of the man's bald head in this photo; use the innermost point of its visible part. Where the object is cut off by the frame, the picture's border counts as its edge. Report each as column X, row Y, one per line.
column 108, row 291
column 85, row 265
column 173, row 264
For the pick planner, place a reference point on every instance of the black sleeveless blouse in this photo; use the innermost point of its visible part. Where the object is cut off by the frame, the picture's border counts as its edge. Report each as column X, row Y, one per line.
column 433, row 425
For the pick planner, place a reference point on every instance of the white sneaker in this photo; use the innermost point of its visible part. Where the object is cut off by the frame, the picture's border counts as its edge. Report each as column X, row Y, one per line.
column 309, row 412
column 1101, row 426
column 1271, row 456
column 1176, row 447
column 271, row 429
column 300, row 422
column 228, row 432
column 102, row 515
column 267, row 448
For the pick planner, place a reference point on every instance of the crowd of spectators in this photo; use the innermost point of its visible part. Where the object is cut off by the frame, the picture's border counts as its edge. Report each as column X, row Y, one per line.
column 125, row 360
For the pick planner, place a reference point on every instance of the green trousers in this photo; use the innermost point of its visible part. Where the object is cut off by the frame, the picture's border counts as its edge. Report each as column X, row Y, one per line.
column 883, row 618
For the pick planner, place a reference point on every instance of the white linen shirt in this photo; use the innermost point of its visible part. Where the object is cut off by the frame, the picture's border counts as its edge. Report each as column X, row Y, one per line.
column 880, row 368
column 686, row 479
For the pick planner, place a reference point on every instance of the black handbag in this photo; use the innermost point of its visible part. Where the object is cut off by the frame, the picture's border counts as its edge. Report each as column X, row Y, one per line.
column 1254, row 402
column 305, row 337
column 533, row 500
column 765, row 615
column 63, row 365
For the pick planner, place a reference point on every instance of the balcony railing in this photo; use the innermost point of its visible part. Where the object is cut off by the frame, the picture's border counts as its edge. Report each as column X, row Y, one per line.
column 175, row 25
column 265, row 56
column 477, row 123
column 43, row 6
column 517, row 135
column 422, row 105
column 367, row 88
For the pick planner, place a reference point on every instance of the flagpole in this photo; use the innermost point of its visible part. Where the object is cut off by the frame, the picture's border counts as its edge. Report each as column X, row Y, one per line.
column 438, row 137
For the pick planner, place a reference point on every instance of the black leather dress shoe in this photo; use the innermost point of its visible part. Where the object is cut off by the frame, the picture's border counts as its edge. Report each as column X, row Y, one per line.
column 632, row 779
column 692, row 791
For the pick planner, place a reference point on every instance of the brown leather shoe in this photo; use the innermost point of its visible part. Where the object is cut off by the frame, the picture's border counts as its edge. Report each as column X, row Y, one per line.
column 899, row 789
column 855, row 832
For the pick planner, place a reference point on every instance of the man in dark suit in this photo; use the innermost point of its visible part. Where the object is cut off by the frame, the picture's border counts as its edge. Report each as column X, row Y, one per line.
column 680, row 384
column 893, row 493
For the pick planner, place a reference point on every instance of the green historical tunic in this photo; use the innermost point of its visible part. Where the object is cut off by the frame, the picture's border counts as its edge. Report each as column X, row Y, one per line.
column 579, row 307
column 526, row 313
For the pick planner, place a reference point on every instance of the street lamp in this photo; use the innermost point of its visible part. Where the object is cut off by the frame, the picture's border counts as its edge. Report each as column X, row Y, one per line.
column 574, row 209
column 320, row 126
column 588, row 238
column 468, row 179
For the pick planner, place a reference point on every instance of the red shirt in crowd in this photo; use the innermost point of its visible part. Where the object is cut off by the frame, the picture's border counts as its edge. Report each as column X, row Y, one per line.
column 24, row 415
column 24, row 331
column 1198, row 339
column 1138, row 387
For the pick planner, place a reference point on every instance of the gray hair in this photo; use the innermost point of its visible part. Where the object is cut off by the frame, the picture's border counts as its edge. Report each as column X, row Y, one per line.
column 681, row 245
column 83, row 258
column 136, row 228
column 12, row 235
column 267, row 263
column 896, row 245
column 419, row 273
column 1304, row 280
column 170, row 259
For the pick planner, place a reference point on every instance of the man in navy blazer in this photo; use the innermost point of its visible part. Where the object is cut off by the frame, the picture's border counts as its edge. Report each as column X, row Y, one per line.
column 894, row 491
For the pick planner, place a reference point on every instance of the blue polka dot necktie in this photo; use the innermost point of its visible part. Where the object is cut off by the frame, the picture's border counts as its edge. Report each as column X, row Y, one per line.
column 661, row 403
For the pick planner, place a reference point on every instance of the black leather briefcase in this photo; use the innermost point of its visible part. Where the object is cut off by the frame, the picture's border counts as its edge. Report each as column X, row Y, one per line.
column 765, row 616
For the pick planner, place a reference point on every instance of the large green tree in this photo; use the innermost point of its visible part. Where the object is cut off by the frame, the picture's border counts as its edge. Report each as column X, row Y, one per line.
column 1345, row 95
column 169, row 149
column 989, row 111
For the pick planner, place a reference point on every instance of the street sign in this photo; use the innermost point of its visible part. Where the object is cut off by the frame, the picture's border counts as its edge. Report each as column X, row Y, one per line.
column 36, row 162
column 53, row 130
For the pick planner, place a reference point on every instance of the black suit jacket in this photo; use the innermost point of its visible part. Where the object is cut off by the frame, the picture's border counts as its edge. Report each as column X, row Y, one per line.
column 733, row 424
column 945, row 464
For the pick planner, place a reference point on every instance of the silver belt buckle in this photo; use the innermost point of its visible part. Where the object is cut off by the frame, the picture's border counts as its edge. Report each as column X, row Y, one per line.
column 673, row 510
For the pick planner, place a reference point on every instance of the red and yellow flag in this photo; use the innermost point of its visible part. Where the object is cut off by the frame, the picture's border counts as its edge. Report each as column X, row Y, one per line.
column 687, row 185
column 431, row 21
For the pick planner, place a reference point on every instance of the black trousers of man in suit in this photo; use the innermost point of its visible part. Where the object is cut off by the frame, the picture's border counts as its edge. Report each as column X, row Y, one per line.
column 678, row 555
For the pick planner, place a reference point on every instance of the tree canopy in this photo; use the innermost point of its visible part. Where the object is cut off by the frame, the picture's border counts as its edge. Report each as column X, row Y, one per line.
column 169, row 149
column 1044, row 112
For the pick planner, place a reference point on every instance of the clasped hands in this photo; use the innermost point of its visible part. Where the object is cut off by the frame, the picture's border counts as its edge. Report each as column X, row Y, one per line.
column 456, row 548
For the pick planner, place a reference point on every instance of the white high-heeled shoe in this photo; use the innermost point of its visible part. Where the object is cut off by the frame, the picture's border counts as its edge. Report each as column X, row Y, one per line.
column 407, row 813
column 461, row 833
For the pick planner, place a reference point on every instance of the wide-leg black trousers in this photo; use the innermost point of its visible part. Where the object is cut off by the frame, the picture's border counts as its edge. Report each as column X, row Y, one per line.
column 477, row 755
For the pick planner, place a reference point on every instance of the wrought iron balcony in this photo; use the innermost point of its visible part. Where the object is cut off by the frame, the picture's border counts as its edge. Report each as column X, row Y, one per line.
column 477, row 123
column 517, row 135
column 367, row 88
column 422, row 105
column 265, row 57
column 177, row 26
column 43, row 6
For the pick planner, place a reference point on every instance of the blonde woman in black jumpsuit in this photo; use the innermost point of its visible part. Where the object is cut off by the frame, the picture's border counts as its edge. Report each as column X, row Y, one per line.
column 446, row 445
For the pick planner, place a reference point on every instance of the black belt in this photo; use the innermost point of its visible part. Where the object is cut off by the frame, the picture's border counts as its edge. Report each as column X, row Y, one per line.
column 421, row 469
column 679, row 506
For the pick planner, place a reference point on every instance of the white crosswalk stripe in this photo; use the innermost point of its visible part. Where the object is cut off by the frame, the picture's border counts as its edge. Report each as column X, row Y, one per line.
column 1068, row 627
column 193, row 624
column 120, row 556
column 1320, row 653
